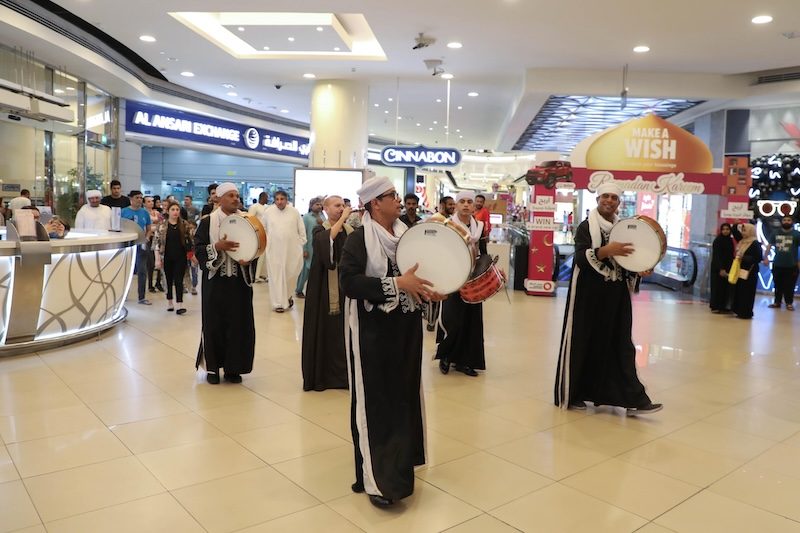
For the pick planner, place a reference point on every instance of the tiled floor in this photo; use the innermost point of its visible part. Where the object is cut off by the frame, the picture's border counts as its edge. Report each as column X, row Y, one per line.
column 120, row 435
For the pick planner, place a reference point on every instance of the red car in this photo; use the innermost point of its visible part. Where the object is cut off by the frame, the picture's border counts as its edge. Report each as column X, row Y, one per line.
column 548, row 173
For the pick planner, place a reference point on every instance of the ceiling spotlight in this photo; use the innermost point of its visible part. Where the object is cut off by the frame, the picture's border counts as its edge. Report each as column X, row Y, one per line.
column 641, row 49
column 447, row 76
column 399, row 118
column 319, row 28
column 472, row 94
column 309, row 76
column 70, row 88
column 266, row 48
column 455, row 45
column 284, row 110
column 386, row 111
column 458, row 131
column 232, row 93
column 435, row 121
column 430, row 129
column 336, row 48
column 240, row 28
column 761, row 19
column 229, row 85
column 187, row 74
column 418, row 124
column 290, row 39
column 376, row 105
column 147, row 38
column 438, row 100
column 390, row 99
column 460, row 107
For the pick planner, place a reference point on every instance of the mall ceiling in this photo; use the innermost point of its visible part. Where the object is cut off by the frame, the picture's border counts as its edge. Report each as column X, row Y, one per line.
column 506, row 44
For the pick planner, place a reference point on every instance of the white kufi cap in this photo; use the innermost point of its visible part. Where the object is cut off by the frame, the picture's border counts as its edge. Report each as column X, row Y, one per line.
column 94, row 193
column 374, row 187
column 609, row 187
column 225, row 188
column 469, row 195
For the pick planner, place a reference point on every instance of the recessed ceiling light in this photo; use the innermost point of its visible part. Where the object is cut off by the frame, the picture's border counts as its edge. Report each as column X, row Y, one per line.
column 147, row 38
column 232, row 93
column 418, row 124
column 472, row 94
column 455, row 45
column 460, row 107
column 435, row 121
column 290, row 39
column 399, row 118
column 377, row 105
column 641, row 49
column 458, row 131
column 229, row 85
column 447, row 76
column 762, row 19
column 309, row 76
column 319, row 28
column 187, row 74
column 59, row 91
column 284, row 110
column 240, row 28
column 265, row 48
column 336, row 48
column 371, row 134
column 390, row 99
column 386, row 111
column 430, row 129
column 172, row 59
column 438, row 100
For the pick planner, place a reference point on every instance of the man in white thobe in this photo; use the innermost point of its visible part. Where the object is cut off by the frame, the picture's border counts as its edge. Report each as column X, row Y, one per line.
column 259, row 210
column 286, row 236
column 93, row 215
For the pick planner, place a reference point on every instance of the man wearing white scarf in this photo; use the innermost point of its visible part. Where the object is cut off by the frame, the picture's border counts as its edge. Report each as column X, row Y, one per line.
column 460, row 332
column 93, row 215
column 229, row 334
column 286, row 236
column 383, row 336
column 596, row 362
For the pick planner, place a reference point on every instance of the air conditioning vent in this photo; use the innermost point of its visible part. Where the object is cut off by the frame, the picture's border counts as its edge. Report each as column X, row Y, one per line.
column 777, row 78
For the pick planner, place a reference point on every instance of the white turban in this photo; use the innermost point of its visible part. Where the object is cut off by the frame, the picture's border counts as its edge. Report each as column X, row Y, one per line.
column 374, row 187
column 609, row 187
column 225, row 188
column 469, row 195
column 94, row 193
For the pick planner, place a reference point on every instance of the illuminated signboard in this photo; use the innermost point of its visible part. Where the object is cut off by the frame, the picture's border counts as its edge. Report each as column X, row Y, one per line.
column 420, row 156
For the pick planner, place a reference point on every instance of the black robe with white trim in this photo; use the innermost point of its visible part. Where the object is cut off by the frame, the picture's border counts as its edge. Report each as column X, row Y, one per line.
column 597, row 358
column 384, row 351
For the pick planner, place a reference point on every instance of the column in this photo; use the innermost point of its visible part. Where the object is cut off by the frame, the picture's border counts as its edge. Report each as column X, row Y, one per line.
column 339, row 129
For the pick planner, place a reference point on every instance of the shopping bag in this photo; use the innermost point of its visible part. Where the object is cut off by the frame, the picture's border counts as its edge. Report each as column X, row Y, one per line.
column 733, row 273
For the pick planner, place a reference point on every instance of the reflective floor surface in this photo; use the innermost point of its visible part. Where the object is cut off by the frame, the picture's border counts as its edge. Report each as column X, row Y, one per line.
column 119, row 434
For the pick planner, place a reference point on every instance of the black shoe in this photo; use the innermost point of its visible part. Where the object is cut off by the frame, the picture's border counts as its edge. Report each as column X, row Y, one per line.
column 152, row 289
column 380, row 501
column 646, row 410
column 357, row 487
column 300, row 295
column 159, row 288
column 466, row 370
column 577, row 406
column 430, row 327
column 444, row 366
column 212, row 378
column 181, row 311
column 291, row 303
column 233, row 378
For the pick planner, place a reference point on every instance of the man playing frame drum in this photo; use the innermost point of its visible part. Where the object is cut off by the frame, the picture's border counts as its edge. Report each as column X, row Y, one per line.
column 596, row 362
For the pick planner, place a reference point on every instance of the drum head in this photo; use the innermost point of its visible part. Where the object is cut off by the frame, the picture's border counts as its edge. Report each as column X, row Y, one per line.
column 444, row 258
column 646, row 243
column 239, row 229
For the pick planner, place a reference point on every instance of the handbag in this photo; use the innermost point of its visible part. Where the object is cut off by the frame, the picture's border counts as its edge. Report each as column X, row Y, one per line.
column 744, row 273
column 733, row 273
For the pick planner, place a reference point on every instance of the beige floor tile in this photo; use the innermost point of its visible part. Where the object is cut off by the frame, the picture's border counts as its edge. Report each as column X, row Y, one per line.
column 721, row 440
column 313, row 403
column 443, row 449
column 483, row 480
column 481, row 430
column 630, row 487
column 77, row 372
column 156, row 514
column 534, row 414
column 319, row 518
column 437, row 407
column 88, row 488
column 199, row 461
column 681, row 461
column 482, row 524
column 49, row 423
column 793, row 441
column 37, row 400
column 16, row 509
column 336, row 423
column 560, row 508
column 165, row 432
column 42, row 456
column 427, row 510
column 203, row 396
column 326, row 475
column 548, row 456
column 480, row 396
column 8, row 472
column 711, row 513
column 126, row 410
column 290, row 440
column 104, row 390
column 761, row 487
column 246, row 416
column 755, row 423
column 597, row 433
column 235, row 502
column 33, row 529
column 652, row 527
column 780, row 458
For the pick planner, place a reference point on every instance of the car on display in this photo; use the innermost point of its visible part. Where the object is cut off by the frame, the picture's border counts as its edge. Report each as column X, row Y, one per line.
column 547, row 173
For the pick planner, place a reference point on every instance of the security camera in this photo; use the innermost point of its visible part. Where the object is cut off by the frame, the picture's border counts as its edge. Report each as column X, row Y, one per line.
column 421, row 41
column 278, row 86
column 438, row 71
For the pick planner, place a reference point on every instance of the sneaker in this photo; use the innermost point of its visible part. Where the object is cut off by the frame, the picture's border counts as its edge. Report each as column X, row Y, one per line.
column 194, row 291
column 776, row 306
column 577, row 406
column 145, row 301
column 646, row 410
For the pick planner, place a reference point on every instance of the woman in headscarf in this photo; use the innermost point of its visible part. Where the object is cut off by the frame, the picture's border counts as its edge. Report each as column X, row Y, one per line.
column 750, row 254
column 722, row 252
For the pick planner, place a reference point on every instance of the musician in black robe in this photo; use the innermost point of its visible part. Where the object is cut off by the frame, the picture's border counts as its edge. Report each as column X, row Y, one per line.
column 323, row 358
column 384, row 348
column 460, row 332
column 229, row 335
column 722, row 251
column 596, row 362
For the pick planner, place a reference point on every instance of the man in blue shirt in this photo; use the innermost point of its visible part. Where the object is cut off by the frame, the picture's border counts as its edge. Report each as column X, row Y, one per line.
column 139, row 215
column 786, row 241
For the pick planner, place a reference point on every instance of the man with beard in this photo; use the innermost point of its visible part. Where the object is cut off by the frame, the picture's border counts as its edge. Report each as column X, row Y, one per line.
column 482, row 214
column 786, row 241
column 286, row 236
column 93, row 215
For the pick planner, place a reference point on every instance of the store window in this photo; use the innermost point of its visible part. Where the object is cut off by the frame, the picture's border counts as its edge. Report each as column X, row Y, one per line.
column 675, row 216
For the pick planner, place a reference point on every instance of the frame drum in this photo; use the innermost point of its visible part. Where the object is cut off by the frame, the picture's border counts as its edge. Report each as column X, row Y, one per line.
column 648, row 239
column 441, row 248
column 248, row 231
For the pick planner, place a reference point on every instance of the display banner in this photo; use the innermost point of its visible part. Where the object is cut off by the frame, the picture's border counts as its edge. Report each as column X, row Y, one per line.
column 541, row 256
column 654, row 182
column 159, row 121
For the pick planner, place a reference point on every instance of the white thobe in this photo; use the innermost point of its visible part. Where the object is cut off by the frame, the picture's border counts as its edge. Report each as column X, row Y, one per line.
column 98, row 218
column 259, row 210
column 286, row 236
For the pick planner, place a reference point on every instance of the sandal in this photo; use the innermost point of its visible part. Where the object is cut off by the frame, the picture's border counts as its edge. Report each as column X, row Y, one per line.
column 790, row 307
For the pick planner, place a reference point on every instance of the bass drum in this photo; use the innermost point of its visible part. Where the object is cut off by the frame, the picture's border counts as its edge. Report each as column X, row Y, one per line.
column 248, row 231
column 441, row 249
column 648, row 240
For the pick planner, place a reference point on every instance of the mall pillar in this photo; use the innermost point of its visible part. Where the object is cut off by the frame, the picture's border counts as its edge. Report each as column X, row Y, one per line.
column 339, row 130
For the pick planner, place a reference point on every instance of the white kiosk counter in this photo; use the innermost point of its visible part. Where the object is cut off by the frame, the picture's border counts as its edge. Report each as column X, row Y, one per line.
column 54, row 292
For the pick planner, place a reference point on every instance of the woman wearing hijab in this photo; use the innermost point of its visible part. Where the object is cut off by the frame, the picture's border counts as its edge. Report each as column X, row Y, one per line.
column 722, row 252
column 750, row 254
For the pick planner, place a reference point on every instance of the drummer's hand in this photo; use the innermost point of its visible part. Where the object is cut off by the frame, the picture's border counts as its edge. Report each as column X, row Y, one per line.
column 417, row 288
column 243, row 262
column 346, row 213
column 615, row 248
column 225, row 245
column 434, row 296
column 645, row 273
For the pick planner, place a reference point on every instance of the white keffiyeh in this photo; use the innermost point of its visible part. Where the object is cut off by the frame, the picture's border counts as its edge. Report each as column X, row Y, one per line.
column 381, row 245
column 475, row 228
column 598, row 228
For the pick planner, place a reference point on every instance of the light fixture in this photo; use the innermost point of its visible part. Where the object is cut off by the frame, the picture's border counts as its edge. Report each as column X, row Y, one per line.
column 284, row 110
column 290, row 39
column 447, row 76
column 399, row 118
column 376, row 105
column 309, row 76
column 336, row 48
column 472, row 94
column 371, row 134
column 435, row 121
column 761, row 19
column 390, row 99
column 418, row 124
column 266, row 48
column 319, row 28
column 458, row 131
column 240, row 28
column 59, row 91
column 438, row 100
column 187, row 74
column 460, row 107
column 430, row 129
column 229, row 85
column 385, row 111
column 232, row 93
column 147, row 38
column 70, row 88
column 172, row 59
column 455, row 45
column 641, row 49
